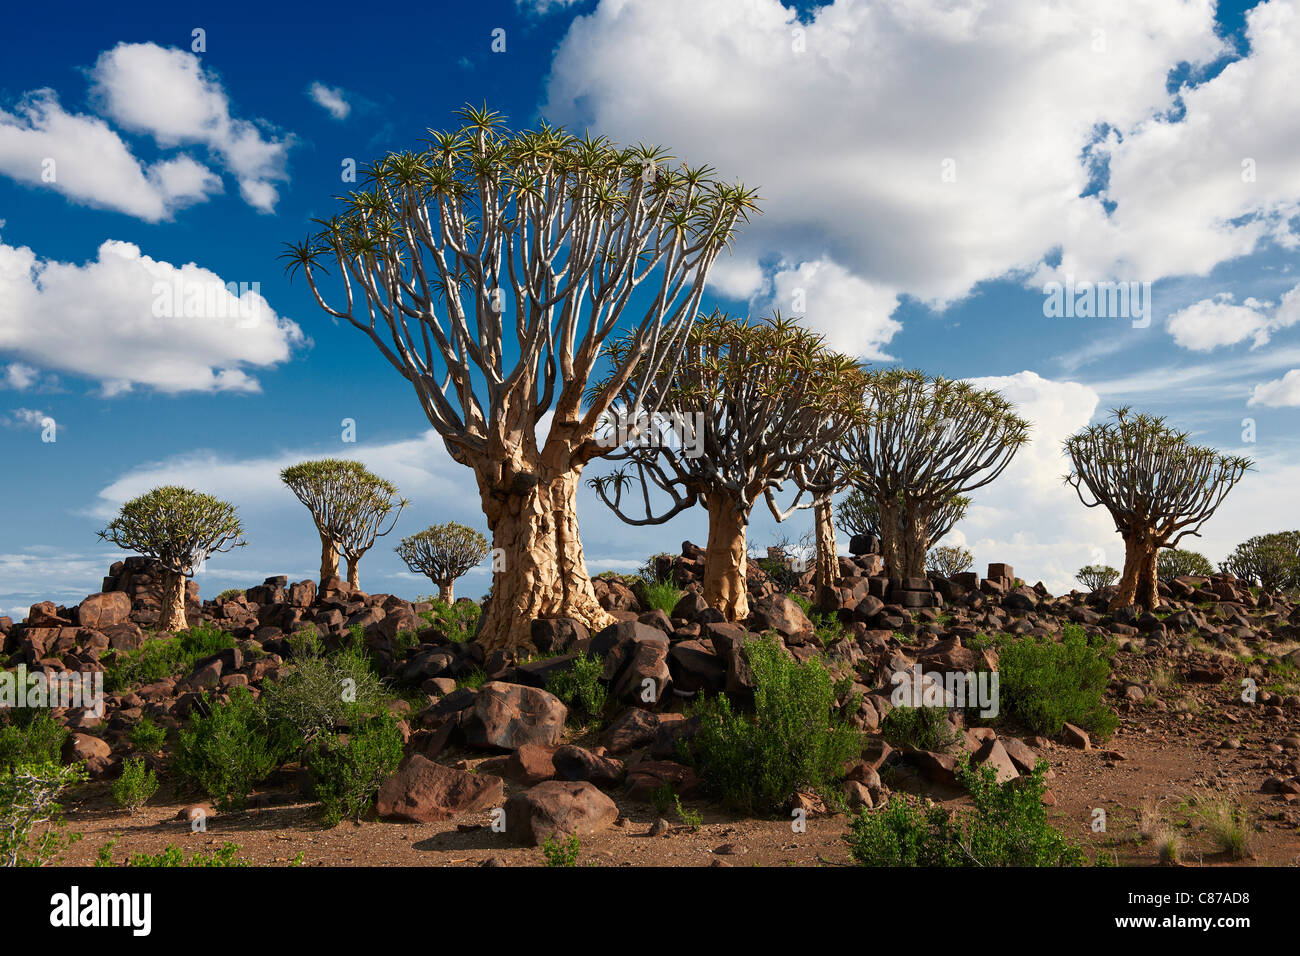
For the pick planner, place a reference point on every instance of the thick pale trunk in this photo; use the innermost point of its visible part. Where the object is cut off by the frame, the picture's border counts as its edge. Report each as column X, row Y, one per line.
column 445, row 591
column 827, row 557
column 890, row 551
column 354, row 579
column 171, row 616
column 724, row 561
column 329, row 560
column 914, row 543
column 544, row 573
column 1137, row 585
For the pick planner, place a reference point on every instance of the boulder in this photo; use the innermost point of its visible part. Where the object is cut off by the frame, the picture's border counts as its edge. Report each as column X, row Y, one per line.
column 507, row 716
column 424, row 791
column 104, row 610
column 558, row 809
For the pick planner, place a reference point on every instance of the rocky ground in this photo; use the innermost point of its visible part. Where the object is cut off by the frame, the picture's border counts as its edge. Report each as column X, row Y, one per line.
column 482, row 733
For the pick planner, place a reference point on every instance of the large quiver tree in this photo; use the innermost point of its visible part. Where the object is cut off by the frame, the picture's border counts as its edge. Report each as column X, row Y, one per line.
column 926, row 441
column 179, row 528
column 1157, row 486
column 753, row 401
column 490, row 269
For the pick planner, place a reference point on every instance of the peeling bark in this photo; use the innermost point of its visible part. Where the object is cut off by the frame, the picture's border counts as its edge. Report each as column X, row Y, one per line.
column 827, row 557
column 914, row 544
column 171, row 616
column 1137, row 585
column 354, row 580
column 445, row 591
column 544, row 573
column 725, row 559
column 329, row 559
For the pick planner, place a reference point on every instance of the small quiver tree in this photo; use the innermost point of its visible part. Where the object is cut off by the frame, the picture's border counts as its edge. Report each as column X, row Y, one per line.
column 753, row 400
column 1094, row 577
column 1157, row 486
column 948, row 560
column 179, row 528
column 443, row 552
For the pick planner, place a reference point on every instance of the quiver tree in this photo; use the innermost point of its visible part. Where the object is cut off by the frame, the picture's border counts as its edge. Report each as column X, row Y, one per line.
column 820, row 477
column 926, row 441
column 1270, row 560
column 747, row 405
column 1094, row 577
column 349, row 506
column 490, row 269
column 1175, row 563
column 859, row 514
column 179, row 529
column 443, row 552
column 948, row 560
column 1157, row 486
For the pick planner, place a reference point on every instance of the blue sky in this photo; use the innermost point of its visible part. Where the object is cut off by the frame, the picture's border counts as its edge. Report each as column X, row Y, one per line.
column 927, row 167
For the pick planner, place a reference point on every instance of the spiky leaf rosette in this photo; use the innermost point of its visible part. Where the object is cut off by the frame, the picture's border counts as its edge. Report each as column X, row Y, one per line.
column 860, row 514
column 947, row 560
column 771, row 395
column 492, row 245
column 1149, row 476
column 443, row 552
column 1096, row 576
column 176, row 526
column 348, row 502
column 928, row 439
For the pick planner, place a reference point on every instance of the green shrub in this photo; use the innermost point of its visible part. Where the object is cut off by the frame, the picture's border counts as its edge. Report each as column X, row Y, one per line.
column 165, row 657
column 322, row 691
column 925, row 728
column 793, row 741
column 661, row 594
column 1045, row 683
column 347, row 774
column 146, row 736
column 226, row 855
column 32, row 736
column 458, row 620
column 1006, row 827
column 32, row 829
column 226, row 753
column 561, row 854
column 229, row 594
column 137, row 784
column 580, row 688
column 1174, row 562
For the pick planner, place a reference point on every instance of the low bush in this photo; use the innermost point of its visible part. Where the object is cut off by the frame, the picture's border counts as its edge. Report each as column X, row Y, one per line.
column 1046, row 683
column 31, row 736
column 925, row 728
column 146, row 736
column 661, row 594
column 580, row 688
column 561, row 853
column 32, row 831
column 347, row 773
column 229, row 751
column 135, row 786
column 173, row 856
column 165, row 657
column 458, row 620
column 793, row 741
column 1007, row 826
column 1174, row 563
column 322, row 691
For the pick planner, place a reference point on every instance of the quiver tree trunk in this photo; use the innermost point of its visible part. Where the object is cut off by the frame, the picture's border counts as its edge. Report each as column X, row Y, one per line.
column 913, row 544
column 171, row 615
column 354, row 579
column 329, row 559
column 1137, row 585
column 445, row 591
column 724, row 562
column 890, row 550
column 543, row 573
column 827, row 556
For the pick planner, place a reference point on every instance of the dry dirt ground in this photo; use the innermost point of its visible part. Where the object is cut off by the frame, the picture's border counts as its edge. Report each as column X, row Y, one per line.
column 1157, row 766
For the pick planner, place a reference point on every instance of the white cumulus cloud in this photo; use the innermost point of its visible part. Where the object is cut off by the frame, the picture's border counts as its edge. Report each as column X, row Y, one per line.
column 126, row 319
column 330, row 99
column 168, row 94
